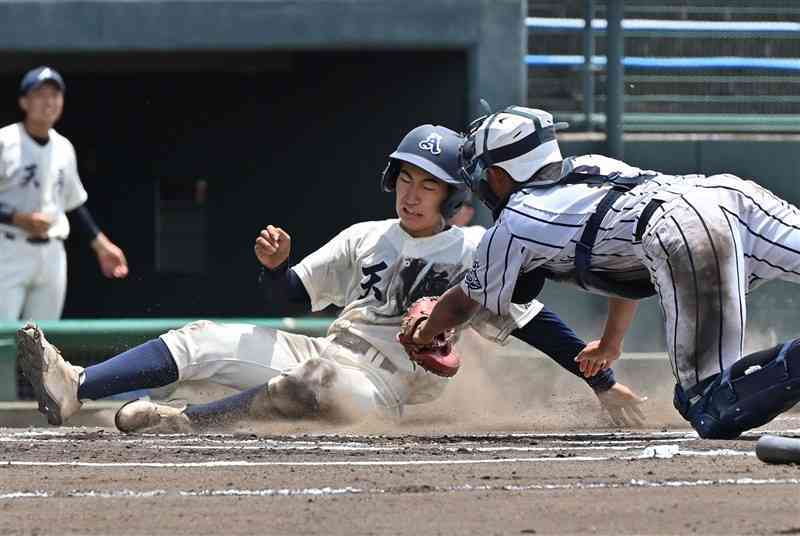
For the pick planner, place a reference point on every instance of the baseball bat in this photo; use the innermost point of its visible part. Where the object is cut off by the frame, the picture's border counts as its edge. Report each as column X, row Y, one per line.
column 776, row 449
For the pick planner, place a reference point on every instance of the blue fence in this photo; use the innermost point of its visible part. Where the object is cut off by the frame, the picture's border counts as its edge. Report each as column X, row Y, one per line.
column 721, row 69
column 635, row 27
column 663, row 63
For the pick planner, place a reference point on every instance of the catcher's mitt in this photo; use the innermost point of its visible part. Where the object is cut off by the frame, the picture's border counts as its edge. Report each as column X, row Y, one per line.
column 436, row 357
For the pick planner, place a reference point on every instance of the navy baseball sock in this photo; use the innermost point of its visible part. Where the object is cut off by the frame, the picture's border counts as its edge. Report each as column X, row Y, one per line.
column 148, row 365
column 227, row 410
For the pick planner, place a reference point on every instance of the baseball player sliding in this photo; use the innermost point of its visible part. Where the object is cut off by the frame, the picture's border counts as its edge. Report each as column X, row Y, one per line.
column 700, row 243
column 374, row 271
column 39, row 183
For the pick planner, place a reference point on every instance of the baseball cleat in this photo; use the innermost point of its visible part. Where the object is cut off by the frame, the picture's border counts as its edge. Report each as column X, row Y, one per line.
column 144, row 416
column 54, row 380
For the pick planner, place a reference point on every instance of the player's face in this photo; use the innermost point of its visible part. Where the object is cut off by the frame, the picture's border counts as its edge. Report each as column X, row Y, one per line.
column 43, row 105
column 418, row 201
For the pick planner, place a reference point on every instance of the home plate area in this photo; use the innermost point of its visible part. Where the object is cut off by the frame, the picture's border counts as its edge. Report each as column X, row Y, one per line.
column 95, row 481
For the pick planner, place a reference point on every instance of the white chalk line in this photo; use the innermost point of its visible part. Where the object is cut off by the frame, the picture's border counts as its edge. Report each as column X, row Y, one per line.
column 256, row 444
column 618, row 437
column 329, row 491
column 664, row 451
column 244, row 463
column 454, row 449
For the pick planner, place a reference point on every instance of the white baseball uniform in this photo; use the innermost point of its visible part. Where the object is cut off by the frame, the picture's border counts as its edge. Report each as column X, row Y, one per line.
column 711, row 241
column 36, row 178
column 374, row 271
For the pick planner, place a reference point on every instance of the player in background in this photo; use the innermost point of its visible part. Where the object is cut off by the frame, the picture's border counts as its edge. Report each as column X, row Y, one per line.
column 374, row 271
column 700, row 243
column 39, row 183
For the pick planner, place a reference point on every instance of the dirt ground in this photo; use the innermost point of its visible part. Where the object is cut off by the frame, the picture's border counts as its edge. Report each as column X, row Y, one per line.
column 94, row 481
column 501, row 453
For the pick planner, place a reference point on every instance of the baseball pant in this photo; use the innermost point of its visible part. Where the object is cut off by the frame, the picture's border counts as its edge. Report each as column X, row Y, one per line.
column 244, row 356
column 705, row 251
column 33, row 279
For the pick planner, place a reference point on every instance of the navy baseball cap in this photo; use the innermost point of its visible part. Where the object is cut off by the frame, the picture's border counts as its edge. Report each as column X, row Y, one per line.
column 38, row 76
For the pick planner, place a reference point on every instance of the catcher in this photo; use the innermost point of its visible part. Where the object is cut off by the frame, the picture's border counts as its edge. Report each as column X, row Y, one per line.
column 374, row 271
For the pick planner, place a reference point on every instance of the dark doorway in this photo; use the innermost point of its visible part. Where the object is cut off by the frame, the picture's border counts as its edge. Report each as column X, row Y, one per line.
column 237, row 140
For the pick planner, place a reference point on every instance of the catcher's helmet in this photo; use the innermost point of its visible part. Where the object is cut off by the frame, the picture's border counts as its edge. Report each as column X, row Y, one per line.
column 435, row 149
column 520, row 140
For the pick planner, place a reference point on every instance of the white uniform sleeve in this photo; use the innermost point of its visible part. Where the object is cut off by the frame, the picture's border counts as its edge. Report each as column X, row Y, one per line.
column 74, row 194
column 496, row 328
column 327, row 272
column 498, row 261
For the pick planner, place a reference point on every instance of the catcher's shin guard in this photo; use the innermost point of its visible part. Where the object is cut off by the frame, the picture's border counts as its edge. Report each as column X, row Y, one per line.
column 751, row 393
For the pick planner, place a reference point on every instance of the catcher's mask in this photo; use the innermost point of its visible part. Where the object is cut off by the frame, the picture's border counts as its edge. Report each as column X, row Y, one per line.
column 520, row 140
column 434, row 149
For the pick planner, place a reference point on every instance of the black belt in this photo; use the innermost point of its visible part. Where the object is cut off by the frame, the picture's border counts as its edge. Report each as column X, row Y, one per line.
column 644, row 218
column 359, row 346
column 39, row 240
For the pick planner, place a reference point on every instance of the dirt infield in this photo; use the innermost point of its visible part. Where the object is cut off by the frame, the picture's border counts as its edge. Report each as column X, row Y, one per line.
column 527, row 452
column 95, row 481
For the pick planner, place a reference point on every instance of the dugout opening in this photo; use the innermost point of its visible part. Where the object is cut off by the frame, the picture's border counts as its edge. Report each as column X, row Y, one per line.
column 297, row 139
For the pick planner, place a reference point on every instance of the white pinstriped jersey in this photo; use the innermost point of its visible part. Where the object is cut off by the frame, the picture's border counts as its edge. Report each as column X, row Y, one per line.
column 375, row 270
column 540, row 226
column 36, row 178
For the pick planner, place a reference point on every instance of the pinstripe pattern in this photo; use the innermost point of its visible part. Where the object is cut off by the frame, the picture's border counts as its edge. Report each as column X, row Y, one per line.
column 675, row 311
column 737, row 235
column 714, row 239
column 719, row 279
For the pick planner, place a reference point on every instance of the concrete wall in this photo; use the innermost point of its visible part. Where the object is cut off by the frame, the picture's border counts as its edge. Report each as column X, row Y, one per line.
column 492, row 31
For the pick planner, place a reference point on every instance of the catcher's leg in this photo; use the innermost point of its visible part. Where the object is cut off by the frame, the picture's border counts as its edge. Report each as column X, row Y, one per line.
column 751, row 393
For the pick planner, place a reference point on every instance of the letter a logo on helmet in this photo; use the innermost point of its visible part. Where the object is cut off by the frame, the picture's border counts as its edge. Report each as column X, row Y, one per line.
column 432, row 143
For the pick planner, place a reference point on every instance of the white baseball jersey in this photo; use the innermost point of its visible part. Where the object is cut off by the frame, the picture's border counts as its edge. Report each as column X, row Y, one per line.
column 36, row 178
column 375, row 271
column 711, row 241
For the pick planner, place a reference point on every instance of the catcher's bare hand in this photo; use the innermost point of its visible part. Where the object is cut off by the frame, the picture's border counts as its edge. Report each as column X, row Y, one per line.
column 596, row 357
column 272, row 246
column 623, row 405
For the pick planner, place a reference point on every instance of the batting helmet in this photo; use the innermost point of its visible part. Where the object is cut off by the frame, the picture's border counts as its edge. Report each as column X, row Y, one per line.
column 520, row 140
column 435, row 149
column 38, row 76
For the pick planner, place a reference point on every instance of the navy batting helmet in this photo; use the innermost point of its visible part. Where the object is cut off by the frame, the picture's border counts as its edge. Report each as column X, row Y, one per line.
column 435, row 149
column 38, row 76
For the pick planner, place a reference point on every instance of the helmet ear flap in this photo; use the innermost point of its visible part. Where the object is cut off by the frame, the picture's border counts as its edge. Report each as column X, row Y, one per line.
column 389, row 177
column 455, row 198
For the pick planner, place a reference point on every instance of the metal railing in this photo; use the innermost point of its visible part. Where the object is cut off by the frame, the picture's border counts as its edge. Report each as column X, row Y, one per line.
column 727, row 70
